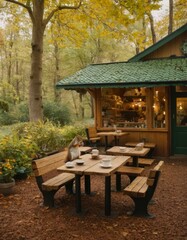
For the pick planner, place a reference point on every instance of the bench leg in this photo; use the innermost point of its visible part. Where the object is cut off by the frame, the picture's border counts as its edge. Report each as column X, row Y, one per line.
column 48, row 198
column 131, row 177
column 118, row 181
column 141, row 207
column 69, row 187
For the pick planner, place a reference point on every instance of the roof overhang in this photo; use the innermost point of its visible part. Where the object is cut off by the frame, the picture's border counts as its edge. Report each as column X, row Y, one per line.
column 162, row 72
column 122, row 85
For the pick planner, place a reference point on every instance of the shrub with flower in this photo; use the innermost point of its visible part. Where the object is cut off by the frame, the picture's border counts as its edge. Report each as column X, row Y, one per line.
column 7, row 170
column 21, row 150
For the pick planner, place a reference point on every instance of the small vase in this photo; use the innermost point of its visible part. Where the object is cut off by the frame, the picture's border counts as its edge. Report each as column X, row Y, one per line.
column 7, row 188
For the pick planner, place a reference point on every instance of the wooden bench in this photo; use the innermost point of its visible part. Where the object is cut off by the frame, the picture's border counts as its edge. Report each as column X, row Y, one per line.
column 141, row 190
column 142, row 162
column 42, row 167
column 92, row 137
column 132, row 172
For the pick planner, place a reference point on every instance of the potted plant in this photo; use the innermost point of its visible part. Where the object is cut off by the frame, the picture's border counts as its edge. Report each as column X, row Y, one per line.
column 7, row 172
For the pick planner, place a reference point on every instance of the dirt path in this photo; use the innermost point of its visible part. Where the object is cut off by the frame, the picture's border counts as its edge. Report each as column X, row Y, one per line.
column 23, row 218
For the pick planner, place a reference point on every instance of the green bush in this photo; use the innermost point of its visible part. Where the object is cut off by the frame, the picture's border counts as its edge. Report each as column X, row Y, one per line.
column 69, row 132
column 52, row 111
column 57, row 113
column 47, row 136
column 16, row 113
column 35, row 140
column 7, row 118
column 22, row 112
column 20, row 150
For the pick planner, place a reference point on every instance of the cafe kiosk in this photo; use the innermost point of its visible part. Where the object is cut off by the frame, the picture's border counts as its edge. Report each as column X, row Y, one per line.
column 145, row 96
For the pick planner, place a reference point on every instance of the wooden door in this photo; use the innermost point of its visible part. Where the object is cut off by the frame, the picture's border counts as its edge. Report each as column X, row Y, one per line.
column 179, row 120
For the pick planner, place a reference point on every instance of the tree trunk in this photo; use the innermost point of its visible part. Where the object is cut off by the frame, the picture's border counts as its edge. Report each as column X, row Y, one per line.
column 144, row 31
column 137, row 49
column 75, row 105
column 170, row 27
column 56, row 74
column 92, row 107
column 35, row 90
column 17, row 79
column 153, row 34
column 81, row 105
column 9, row 70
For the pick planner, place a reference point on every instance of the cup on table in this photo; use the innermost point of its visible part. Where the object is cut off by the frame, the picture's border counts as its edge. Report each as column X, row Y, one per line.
column 139, row 146
column 106, row 162
column 123, row 149
column 118, row 131
column 95, row 153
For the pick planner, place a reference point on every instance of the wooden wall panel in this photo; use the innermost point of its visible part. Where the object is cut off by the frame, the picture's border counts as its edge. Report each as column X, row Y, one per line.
column 169, row 49
column 160, row 138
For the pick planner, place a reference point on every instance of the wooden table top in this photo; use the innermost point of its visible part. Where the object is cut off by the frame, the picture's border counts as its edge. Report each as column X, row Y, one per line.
column 92, row 166
column 112, row 134
column 85, row 149
column 128, row 151
column 147, row 145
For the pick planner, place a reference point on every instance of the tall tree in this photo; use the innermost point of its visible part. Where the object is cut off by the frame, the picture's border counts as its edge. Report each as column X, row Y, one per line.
column 40, row 12
column 170, row 27
column 139, row 10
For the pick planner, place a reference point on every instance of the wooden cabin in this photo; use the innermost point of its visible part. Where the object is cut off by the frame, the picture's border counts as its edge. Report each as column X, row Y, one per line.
column 145, row 96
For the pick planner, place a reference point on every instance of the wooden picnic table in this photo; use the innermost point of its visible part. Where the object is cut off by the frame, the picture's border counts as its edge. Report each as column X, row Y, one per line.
column 129, row 151
column 115, row 134
column 93, row 167
column 150, row 145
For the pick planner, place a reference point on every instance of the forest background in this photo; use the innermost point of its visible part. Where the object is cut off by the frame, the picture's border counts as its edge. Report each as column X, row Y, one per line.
column 94, row 32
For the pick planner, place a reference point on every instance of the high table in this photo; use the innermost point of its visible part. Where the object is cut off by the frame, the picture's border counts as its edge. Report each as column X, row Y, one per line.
column 129, row 151
column 93, row 167
column 115, row 134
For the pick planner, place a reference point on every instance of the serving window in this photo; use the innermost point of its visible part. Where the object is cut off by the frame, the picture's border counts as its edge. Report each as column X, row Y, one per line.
column 124, row 107
column 127, row 107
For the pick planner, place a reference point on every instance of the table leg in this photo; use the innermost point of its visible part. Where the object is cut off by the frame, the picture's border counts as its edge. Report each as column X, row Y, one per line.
column 116, row 140
column 135, row 161
column 107, row 195
column 118, row 182
column 106, row 142
column 78, row 193
column 87, row 184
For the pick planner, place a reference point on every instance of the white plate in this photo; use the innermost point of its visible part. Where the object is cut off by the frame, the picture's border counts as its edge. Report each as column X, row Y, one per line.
column 123, row 148
column 69, row 165
column 79, row 162
column 105, row 166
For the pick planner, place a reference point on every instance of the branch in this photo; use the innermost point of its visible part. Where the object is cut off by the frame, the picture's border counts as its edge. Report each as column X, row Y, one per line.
column 61, row 8
column 27, row 6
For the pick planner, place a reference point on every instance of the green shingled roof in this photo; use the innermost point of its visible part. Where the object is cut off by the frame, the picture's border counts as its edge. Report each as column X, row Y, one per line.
column 129, row 74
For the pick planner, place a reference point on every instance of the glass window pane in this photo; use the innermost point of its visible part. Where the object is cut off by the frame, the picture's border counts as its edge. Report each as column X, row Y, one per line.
column 181, row 112
column 124, row 107
column 159, row 108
